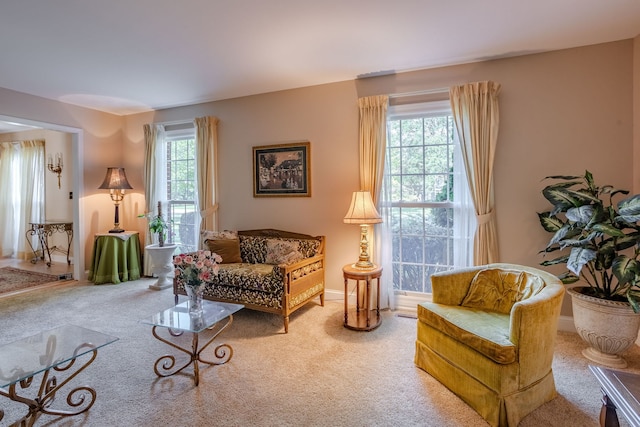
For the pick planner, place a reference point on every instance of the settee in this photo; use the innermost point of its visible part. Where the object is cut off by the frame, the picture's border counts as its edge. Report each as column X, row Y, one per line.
column 489, row 334
column 268, row 270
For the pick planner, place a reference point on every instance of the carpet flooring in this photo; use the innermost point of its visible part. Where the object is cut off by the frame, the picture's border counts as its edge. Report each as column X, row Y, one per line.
column 319, row 374
column 13, row 279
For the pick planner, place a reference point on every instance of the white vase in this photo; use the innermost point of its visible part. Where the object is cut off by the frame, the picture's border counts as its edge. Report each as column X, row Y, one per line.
column 162, row 264
column 609, row 327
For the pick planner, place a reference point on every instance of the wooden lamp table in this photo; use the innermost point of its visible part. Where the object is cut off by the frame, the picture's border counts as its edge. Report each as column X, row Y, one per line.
column 363, row 317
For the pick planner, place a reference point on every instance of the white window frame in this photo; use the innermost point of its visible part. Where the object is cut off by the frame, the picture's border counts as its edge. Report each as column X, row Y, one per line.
column 177, row 134
column 463, row 240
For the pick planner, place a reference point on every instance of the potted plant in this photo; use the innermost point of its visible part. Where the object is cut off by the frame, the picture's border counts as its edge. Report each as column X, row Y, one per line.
column 161, row 255
column 600, row 245
column 159, row 226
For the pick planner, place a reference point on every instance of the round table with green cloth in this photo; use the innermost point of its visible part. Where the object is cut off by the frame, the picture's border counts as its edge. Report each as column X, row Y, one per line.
column 116, row 258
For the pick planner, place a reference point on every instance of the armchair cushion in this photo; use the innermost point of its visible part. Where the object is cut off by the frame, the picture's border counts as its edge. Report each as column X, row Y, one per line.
column 485, row 331
column 497, row 289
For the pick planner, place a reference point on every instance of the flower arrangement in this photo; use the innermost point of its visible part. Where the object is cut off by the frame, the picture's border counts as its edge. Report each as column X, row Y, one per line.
column 196, row 268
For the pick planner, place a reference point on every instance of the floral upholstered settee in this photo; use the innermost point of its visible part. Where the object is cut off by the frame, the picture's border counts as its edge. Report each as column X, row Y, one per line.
column 267, row 270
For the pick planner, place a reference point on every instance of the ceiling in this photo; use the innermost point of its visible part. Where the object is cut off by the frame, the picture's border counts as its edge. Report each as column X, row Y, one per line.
column 128, row 56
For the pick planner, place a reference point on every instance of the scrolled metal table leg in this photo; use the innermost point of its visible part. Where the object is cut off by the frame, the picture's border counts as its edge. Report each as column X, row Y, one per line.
column 165, row 366
column 80, row 398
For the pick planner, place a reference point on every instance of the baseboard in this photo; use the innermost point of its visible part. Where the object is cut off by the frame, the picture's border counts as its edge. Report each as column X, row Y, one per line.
column 409, row 303
column 565, row 324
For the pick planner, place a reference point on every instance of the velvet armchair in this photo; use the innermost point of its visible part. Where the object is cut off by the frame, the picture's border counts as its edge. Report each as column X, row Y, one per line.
column 489, row 334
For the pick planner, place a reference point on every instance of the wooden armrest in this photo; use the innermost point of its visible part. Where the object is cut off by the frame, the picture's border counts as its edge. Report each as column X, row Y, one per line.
column 296, row 265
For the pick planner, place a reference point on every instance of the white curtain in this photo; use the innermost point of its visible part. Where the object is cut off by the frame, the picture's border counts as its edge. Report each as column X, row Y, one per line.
column 464, row 215
column 476, row 115
column 207, row 171
column 22, row 196
column 155, row 182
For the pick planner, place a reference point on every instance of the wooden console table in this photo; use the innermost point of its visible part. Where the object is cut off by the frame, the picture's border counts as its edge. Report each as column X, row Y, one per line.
column 43, row 230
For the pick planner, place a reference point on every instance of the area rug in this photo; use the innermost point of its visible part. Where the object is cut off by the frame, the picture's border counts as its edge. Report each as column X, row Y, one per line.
column 14, row 279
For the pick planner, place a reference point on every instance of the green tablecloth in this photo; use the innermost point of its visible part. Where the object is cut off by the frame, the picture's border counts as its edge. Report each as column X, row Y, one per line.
column 116, row 258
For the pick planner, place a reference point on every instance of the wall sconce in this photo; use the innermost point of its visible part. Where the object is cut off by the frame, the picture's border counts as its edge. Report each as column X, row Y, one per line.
column 362, row 211
column 116, row 182
column 57, row 167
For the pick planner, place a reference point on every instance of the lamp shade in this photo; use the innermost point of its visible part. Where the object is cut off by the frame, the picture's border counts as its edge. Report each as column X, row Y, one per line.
column 362, row 209
column 115, row 179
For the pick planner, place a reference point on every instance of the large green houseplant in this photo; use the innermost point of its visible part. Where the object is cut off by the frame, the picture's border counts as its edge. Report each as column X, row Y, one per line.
column 603, row 238
column 599, row 241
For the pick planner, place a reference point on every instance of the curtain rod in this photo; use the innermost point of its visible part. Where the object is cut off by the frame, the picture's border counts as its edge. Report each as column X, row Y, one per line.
column 420, row 92
column 174, row 122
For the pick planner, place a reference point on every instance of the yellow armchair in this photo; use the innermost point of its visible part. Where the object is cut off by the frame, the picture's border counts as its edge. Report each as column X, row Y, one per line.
column 489, row 334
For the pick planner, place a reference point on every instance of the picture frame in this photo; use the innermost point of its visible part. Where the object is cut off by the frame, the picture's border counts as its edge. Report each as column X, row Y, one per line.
column 282, row 170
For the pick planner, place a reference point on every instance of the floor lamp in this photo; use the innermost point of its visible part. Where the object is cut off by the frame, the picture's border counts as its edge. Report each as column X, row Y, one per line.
column 116, row 182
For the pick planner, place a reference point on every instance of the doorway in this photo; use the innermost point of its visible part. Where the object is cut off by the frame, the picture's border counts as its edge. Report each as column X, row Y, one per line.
column 77, row 187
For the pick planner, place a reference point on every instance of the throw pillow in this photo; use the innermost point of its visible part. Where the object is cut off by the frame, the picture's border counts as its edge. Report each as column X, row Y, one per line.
column 224, row 243
column 281, row 251
column 497, row 289
column 217, row 235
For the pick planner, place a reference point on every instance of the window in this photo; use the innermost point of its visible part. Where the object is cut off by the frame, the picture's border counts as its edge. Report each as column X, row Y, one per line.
column 424, row 207
column 182, row 189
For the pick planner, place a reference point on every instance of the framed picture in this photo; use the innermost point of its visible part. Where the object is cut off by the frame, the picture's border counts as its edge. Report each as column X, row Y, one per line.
column 282, row 170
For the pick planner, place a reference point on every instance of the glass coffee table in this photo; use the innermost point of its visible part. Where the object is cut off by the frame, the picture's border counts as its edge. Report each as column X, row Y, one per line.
column 54, row 354
column 178, row 320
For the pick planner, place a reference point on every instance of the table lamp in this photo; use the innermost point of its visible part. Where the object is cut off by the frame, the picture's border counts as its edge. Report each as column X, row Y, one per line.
column 362, row 211
column 116, row 182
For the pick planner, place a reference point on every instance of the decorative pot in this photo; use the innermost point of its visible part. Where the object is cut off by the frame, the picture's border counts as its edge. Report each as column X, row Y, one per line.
column 194, row 297
column 609, row 327
column 162, row 264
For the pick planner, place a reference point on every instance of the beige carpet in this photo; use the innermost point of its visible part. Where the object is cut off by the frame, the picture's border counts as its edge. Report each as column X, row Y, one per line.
column 320, row 374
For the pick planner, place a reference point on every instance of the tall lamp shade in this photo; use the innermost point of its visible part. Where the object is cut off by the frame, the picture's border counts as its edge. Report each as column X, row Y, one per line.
column 362, row 211
column 116, row 182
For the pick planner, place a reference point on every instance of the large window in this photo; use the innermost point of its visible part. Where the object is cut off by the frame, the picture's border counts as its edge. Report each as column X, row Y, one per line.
column 422, row 200
column 181, row 189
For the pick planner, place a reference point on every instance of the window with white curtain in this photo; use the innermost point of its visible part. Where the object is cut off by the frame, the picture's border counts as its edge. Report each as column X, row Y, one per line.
column 430, row 215
column 181, row 192
column 22, row 195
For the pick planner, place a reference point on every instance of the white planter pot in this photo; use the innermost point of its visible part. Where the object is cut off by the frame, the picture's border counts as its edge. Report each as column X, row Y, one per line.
column 609, row 327
column 162, row 264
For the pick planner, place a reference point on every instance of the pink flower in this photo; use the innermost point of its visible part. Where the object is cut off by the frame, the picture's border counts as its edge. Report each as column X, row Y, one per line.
column 197, row 267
